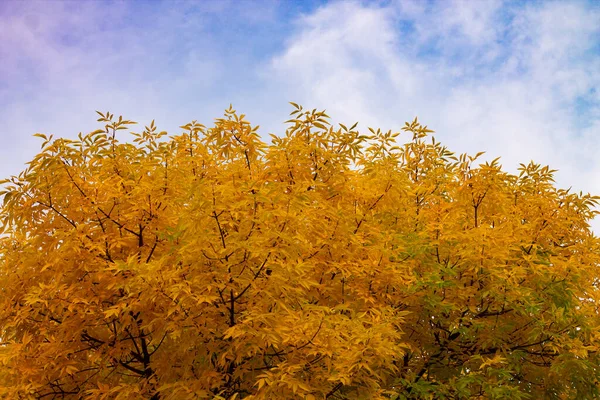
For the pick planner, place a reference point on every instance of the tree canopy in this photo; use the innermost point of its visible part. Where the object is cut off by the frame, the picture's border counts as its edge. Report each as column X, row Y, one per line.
column 328, row 264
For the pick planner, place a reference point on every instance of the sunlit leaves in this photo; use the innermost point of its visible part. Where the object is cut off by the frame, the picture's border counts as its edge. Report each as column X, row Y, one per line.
column 328, row 264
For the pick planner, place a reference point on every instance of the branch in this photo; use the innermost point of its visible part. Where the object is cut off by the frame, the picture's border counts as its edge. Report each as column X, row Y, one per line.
column 335, row 389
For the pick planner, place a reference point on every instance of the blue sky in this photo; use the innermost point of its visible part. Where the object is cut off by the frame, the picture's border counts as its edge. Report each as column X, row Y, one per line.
column 519, row 80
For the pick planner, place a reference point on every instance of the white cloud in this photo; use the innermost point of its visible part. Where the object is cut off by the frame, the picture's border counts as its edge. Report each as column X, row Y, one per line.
column 342, row 58
column 459, row 21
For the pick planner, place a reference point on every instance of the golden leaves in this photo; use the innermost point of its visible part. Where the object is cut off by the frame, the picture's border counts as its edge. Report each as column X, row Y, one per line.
column 213, row 265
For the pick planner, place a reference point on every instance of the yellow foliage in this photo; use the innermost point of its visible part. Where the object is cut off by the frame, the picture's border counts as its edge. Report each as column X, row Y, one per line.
column 328, row 264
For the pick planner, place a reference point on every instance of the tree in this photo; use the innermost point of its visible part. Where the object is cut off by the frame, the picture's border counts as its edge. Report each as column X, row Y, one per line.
column 326, row 265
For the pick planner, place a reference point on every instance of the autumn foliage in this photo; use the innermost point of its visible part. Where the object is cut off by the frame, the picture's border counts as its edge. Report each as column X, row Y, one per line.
column 326, row 265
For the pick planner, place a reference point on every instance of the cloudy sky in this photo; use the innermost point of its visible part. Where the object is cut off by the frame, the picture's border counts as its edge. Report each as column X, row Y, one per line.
column 519, row 80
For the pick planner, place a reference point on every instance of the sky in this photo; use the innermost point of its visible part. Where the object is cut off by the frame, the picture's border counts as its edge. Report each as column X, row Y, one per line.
column 519, row 80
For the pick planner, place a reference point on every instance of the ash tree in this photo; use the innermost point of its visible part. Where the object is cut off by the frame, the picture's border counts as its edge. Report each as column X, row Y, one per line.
column 328, row 264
